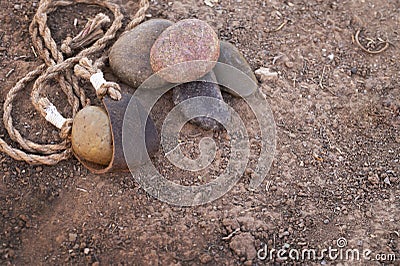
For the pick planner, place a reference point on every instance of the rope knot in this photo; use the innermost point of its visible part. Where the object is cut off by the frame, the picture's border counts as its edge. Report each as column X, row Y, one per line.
column 66, row 46
column 104, row 87
column 52, row 115
column 90, row 33
column 66, row 129
column 85, row 69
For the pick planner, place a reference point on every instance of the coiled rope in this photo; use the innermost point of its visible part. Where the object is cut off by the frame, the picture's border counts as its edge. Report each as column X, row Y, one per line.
column 67, row 72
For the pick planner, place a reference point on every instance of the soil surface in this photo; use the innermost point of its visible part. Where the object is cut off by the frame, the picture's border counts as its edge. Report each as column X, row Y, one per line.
column 335, row 174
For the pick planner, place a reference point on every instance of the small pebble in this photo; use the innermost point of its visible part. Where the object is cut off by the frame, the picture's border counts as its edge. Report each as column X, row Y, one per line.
column 373, row 179
column 11, row 253
column 266, row 74
column 72, row 237
column 289, row 64
column 205, row 258
column 387, row 181
column 248, row 263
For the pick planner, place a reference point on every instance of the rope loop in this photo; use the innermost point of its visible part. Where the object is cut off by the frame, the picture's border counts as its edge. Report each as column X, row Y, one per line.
column 91, row 41
column 90, row 33
column 86, row 70
column 66, row 129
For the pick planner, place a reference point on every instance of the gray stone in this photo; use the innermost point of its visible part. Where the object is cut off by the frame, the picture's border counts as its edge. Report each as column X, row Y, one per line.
column 130, row 55
column 194, row 89
column 72, row 237
column 231, row 56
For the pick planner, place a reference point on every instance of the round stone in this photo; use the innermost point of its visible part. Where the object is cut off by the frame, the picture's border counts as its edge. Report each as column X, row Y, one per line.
column 204, row 88
column 91, row 135
column 130, row 55
column 231, row 56
column 186, row 51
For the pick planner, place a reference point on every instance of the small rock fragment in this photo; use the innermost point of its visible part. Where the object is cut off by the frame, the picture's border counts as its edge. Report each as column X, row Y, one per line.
column 246, row 222
column 373, row 179
column 210, row 3
column 387, row 181
column 205, row 258
column 72, row 237
column 265, row 74
column 11, row 253
column 243, row 246
column 289, row 64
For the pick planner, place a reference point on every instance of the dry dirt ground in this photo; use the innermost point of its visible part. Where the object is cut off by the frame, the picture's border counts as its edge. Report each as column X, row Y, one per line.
column 335, row 173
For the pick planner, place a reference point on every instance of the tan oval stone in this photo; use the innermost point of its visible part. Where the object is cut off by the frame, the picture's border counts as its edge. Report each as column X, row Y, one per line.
column 91, row 135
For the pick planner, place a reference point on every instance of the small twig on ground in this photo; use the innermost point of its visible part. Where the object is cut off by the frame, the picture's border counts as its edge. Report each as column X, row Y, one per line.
column 281, row 26
column 294, row 80
column 237, row 230
column 268, row 185
column 82, row 189
column 176, row 147
column 20, row 57
column 34, row 52
column 322, row 79
column 195, row 135
column 276, row 58
column 356, row 39
column 10, row 72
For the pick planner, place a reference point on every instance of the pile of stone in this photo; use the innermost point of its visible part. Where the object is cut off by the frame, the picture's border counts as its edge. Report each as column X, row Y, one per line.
column 180, row 53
